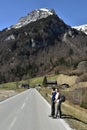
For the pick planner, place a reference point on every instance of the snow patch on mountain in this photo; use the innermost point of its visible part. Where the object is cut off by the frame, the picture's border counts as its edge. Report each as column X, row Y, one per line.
column 33, row 16
column 82, row 28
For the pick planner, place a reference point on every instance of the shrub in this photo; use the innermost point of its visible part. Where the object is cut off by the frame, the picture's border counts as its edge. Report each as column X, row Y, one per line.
column 82, row 78
column 84, row 98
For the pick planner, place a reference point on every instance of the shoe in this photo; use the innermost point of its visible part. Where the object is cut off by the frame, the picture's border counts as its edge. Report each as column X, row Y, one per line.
column 54, row 116
column 50, row 115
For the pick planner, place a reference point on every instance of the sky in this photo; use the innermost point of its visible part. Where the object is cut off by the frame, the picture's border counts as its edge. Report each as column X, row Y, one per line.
column 72, row 12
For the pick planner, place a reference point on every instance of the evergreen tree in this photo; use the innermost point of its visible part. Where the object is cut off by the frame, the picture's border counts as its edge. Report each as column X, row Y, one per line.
column 45, row 81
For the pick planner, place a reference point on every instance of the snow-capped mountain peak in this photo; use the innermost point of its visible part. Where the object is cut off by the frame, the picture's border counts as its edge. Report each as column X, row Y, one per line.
column 33, row 16
column 82, row 28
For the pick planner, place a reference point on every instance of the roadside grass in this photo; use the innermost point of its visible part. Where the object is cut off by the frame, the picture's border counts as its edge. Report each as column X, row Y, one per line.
column 75, row 116
column 11, row 86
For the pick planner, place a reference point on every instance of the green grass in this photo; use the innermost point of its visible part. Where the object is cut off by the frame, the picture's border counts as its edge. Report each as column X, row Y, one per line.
column 52, row 77
column 11, row 85
column 32, row 82
column 38, row 80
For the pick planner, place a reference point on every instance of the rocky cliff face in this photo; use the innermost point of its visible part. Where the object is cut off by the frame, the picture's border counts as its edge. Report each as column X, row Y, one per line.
column 36, row 48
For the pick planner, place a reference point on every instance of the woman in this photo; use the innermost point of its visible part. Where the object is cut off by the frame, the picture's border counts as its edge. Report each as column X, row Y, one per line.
column 57, row 104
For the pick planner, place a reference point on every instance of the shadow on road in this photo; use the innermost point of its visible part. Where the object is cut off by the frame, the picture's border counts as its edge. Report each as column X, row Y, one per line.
column 72, row 117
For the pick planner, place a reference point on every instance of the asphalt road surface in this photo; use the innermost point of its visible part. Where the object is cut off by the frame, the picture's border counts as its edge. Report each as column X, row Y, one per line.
column 28, row 111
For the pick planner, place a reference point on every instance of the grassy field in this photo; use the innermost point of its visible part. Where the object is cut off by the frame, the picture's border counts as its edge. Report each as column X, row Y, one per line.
column 32, row 82
column 11, row 85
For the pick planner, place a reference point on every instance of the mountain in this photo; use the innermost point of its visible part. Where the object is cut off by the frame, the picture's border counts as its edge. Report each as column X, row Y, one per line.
column 38, row 44
column 82, row 28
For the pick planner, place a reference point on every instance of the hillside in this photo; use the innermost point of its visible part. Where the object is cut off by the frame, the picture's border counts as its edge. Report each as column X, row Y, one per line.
column 36, row 48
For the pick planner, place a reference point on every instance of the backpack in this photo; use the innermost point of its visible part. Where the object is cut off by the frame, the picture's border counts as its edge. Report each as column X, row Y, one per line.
column 62, row 98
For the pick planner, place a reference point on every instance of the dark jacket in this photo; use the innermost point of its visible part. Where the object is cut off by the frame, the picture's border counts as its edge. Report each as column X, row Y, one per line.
column 53, row 96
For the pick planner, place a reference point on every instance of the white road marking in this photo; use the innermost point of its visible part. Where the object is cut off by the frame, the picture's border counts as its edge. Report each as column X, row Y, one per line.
column 23, row 105
column 12, row 124
column 66, row 125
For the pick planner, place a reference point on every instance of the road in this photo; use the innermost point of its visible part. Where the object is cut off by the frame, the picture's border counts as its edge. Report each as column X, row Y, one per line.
column 28, row 111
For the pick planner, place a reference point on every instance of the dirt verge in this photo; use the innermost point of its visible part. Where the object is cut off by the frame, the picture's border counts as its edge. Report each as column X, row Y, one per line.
column 4, row 94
